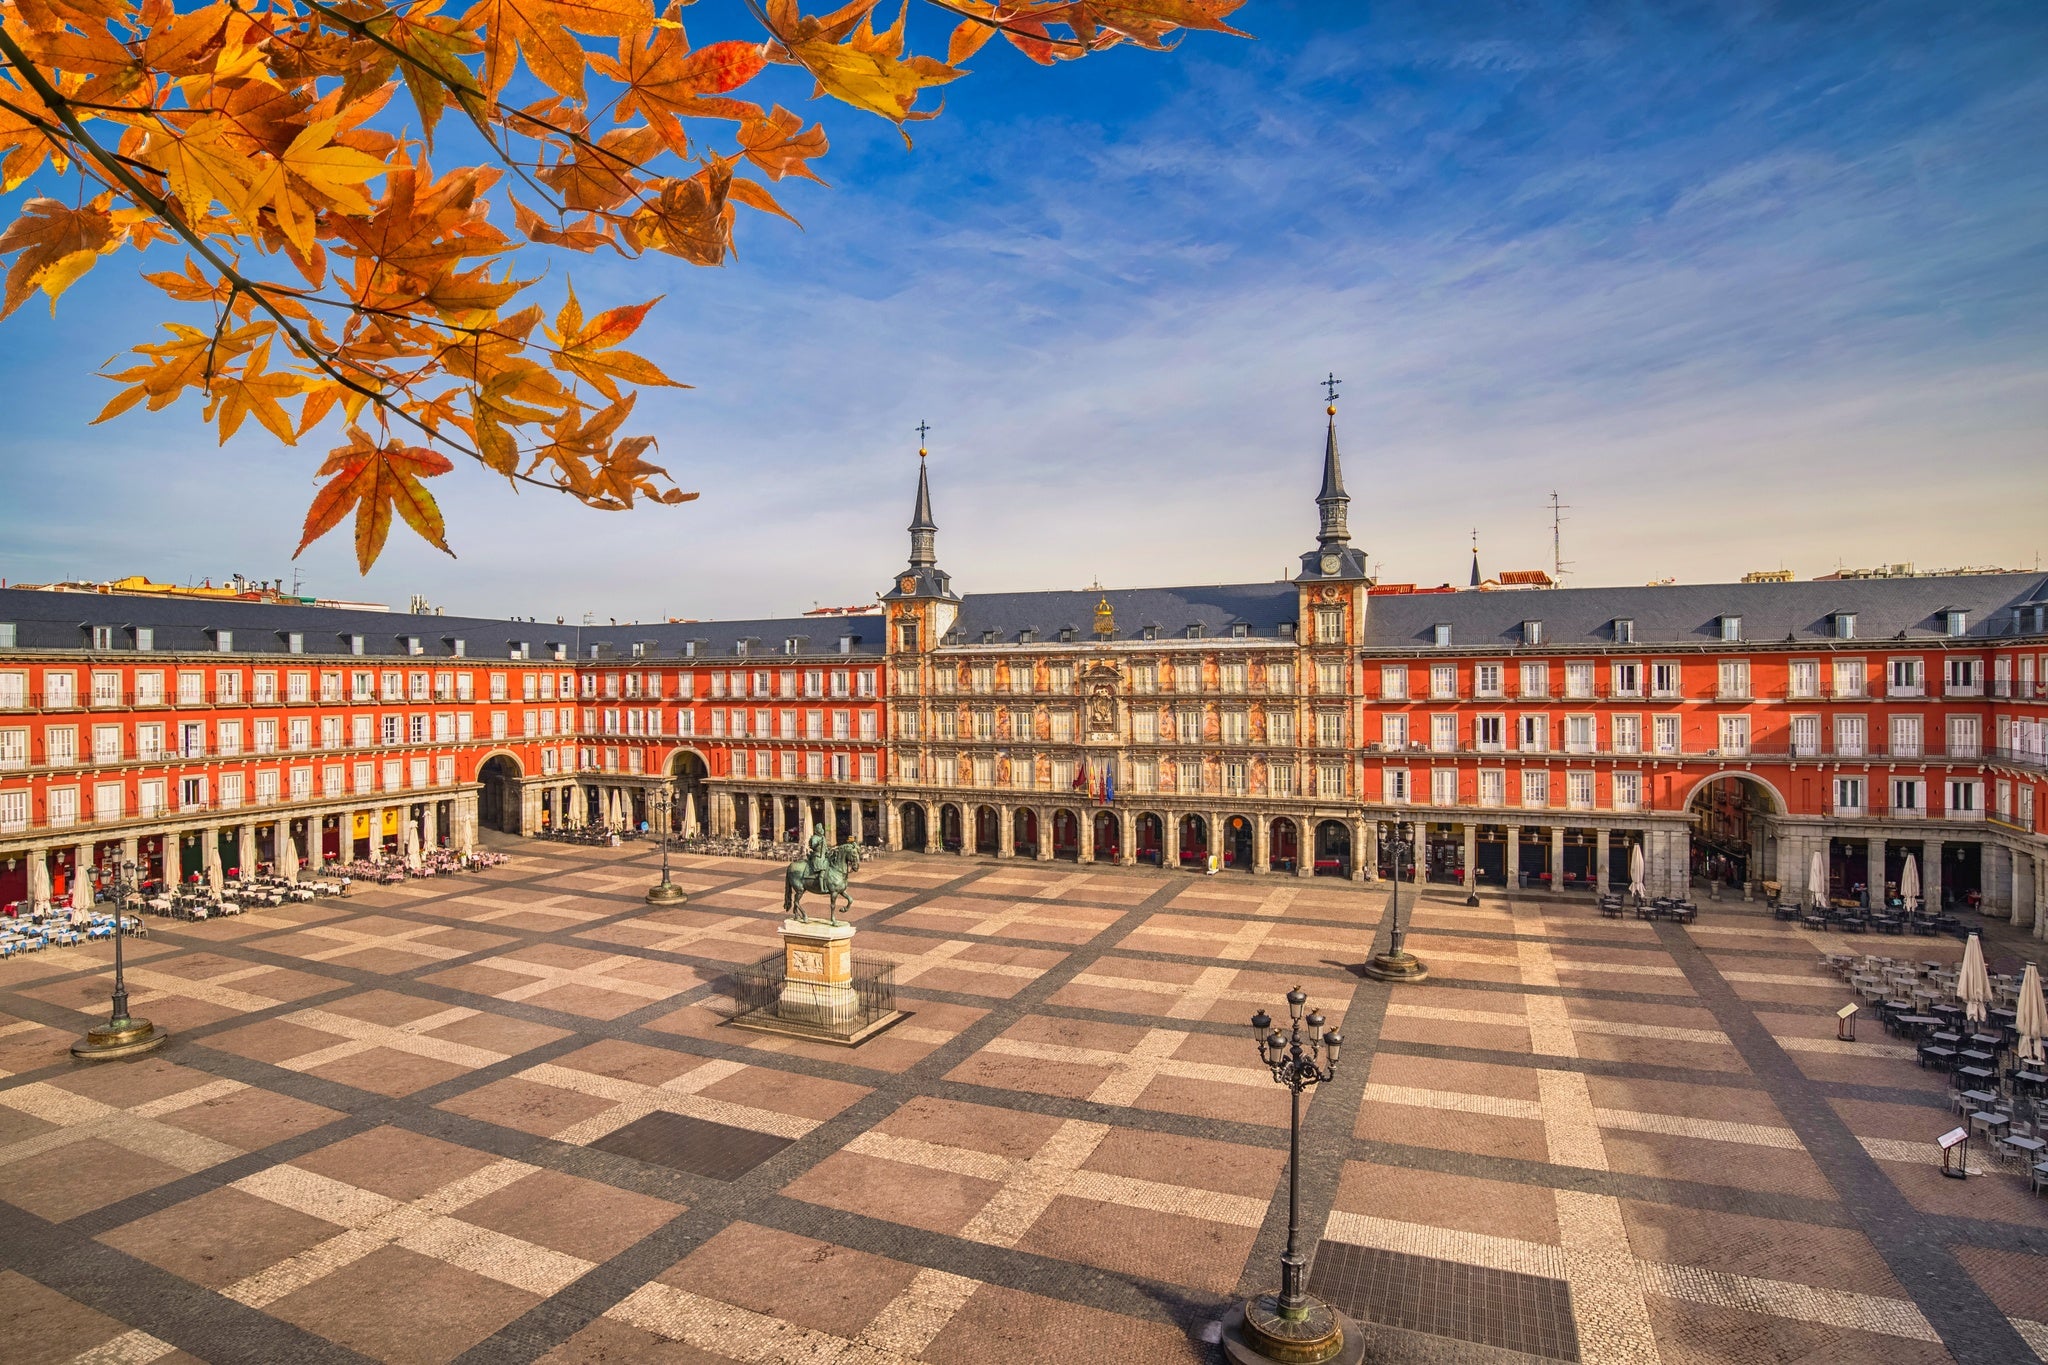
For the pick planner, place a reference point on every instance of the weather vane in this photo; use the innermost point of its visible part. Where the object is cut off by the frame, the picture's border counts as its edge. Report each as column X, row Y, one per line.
column 1330, row 387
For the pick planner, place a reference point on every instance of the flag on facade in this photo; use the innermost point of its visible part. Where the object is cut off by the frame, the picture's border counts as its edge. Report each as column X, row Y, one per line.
column 1109, row 783
column 1081, row 779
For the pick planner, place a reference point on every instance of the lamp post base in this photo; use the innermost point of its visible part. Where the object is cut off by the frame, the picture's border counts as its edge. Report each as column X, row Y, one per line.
column 667, row 893
column 1401, row 966
column 119, row 1038
column 1254, row 1333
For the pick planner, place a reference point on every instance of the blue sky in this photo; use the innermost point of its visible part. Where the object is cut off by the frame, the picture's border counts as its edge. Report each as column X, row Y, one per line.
column 1748, row 285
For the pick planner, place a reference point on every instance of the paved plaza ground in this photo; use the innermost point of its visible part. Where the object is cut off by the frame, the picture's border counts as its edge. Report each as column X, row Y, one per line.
column 499, row 1119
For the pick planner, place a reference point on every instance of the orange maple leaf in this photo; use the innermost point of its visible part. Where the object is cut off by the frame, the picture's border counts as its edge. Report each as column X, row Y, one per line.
column 57, row 244
column 539, row 31
column 589, row 350
column 376, row 481
column 869, row 70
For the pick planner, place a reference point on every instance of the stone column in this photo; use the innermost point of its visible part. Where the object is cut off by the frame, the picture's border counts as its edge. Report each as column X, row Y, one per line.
column 1930, row 873
column 931, row 827
column 1006, row 833
column 1262, row 841
column 858, row 825
column 1602, row 855
column 1369, row 855
column 131, row 852
column 1126, row 839
column 1084, row 837
column 1358, row 850
column 1044, row 834
column 209, row 851
column 1556, row 859
column 1514, row 858
column 1471, row 832
column 1873, row 870
column 248, row 848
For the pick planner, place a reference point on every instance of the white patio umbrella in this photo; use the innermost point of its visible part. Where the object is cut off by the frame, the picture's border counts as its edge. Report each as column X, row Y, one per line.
column 412, row 846
column 2033, row 1017
column 1636, row 887
column 38, row 884
column 1973, row 985
column 1817, row 879
column 292, row 858
column 468, row 835
column 1909, row 884
column 426, row 832
column 213, row 881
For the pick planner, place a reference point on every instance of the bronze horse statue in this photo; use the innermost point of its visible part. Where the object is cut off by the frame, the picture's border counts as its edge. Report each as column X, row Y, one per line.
column 830, row 882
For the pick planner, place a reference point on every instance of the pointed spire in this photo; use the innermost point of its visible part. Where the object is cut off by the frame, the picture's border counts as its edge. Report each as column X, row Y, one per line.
column 1476, row 579
column 923, row 530
column 1333, row 501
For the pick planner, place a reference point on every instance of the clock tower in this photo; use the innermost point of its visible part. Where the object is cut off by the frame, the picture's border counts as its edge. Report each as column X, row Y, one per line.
column 921, row 604
column 1333, row 580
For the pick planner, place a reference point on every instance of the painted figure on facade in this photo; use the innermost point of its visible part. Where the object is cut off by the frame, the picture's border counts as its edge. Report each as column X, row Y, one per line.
column 825, row 871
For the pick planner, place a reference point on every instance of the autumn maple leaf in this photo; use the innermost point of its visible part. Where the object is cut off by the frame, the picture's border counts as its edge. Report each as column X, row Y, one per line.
column 868, row 70
column 377, row 480
column 589, row 350
column 57, row 244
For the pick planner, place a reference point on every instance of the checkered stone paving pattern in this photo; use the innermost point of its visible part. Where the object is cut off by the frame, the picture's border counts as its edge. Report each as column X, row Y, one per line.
column 502, row 1119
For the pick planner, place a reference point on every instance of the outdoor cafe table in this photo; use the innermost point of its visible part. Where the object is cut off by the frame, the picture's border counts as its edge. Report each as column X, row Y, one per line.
column 1977, row 1073
column 1979, row 1057
column 1918, row 1021
column 1980, row 1098
column 2031, row 1080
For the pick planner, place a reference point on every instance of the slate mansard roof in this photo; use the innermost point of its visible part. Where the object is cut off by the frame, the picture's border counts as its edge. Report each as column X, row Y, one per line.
column 183, row 625
column 1572, row 617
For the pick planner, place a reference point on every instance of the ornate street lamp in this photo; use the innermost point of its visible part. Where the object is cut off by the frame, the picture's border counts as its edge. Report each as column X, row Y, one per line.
column 1397, row 963
column 120, row 1036
column 1293, row 1325
column 661, row 805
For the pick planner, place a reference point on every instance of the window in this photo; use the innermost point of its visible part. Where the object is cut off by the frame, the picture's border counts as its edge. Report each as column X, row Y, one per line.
column 1664, row 679
column 1330, row 678
column 7, row 637
column 224, row 641
column 1628, row 680
column 1734, row 678
column 1965, row 737
column 1580, row 734
column 1535, row 787
column 145, row 637
column 1850, row 737
column 1532, row 733
column 1578, row 681
column 1394, row 786
column 1329, row 625
column 1956, row 622
column 1486, row 680
column 1443, row 733
column 60, row 690
column 1803, row 679
column 1845, row 625
column 1624, row 631
column 1905, row 736
column 1330, row 729
column 102, row 638
column 1664, row 735
column 1627, row 791
column 1962, row 677
column 1443, row 787
column 1493, row 787
column 1232, row 674
column 1903, row 678
column 1393, row 731
column 1489, row 733
column 106, row 743
column 1280, row 678
column 1908, row 796
column 1234, row 727
column 1731, row 628
column 1280, row 727
column 1849, row 678
column 13, row 749
column 1848, row 796
column 1626, row 733
column 1443, row 681
column 1965, row 798
column 1806, row 736
column 1187, row 727
column 1578, row 789
column 1440, row 634
column 1394, row 684
column 1734, row 735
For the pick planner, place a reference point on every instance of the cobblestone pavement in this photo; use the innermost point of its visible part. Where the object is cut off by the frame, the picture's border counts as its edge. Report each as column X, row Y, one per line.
column 499, row 1119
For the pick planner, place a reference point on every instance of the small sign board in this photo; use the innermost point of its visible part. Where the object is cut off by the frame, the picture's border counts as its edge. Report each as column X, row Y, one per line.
column 1952, row 1137
column 1845, row 1011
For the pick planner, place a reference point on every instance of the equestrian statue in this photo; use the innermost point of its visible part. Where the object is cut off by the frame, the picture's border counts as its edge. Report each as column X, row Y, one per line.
column 824, row 870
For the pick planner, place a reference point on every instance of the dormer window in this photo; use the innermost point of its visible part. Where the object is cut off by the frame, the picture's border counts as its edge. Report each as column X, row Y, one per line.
column 988, row 637
column 1956, row 621
column 354, row 642
column 689, row 649
column 1287, row 630
column 1066, row 635
column 1845, row 625
column 1532, row 633
column 294, row 642
column 1624, row 630
column 1194, row 631
column 224, row 641
column 103, row 638
column 1150, row 632
column 145, row 638
column 412, row 644
column 558, row 652
column 1239, row 630
column 639, row 649
column 520, row 649
column 1440, row 635
column 1731, row 628
column 1027, row 636
column 459, row 648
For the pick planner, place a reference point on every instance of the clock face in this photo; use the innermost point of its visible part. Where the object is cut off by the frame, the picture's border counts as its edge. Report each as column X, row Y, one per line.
column 908, row 585
column 1331, row 563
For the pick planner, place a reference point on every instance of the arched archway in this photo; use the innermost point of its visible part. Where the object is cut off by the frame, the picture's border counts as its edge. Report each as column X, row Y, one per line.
column 497, row 804
column 1333, row 849
column 1284, row 852
column 1237, row 842
column 949, row 828
column 986, row 825
column 687, row 772
column 1732, row 818
column 1151, row 839
column 912, row 817
column 1108, row 837
column 1024, row 832
column 1192, row 841
column 1066, row 836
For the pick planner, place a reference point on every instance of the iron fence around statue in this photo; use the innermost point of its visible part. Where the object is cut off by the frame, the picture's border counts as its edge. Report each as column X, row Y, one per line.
column 758, row 988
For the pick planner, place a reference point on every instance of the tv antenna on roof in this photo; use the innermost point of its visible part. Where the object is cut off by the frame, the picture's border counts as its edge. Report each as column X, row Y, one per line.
column 1557, row 519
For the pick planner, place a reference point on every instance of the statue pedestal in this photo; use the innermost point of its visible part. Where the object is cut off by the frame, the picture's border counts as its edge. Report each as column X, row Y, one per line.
column 817, row 974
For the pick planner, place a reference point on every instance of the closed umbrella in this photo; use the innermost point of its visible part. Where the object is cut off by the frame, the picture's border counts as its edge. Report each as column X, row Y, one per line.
column 426, row 833
column 1909, row 884
column 1973, row 985
column 213, row 882
column 1817, row 878
column 292, row 858
column 468, row 836
column 2032, row 1021
column 412, row 846
column 1636, row 887
column 39, row 884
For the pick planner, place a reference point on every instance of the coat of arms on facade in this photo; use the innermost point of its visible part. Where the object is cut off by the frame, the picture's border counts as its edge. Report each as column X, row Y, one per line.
column 1098, row 686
